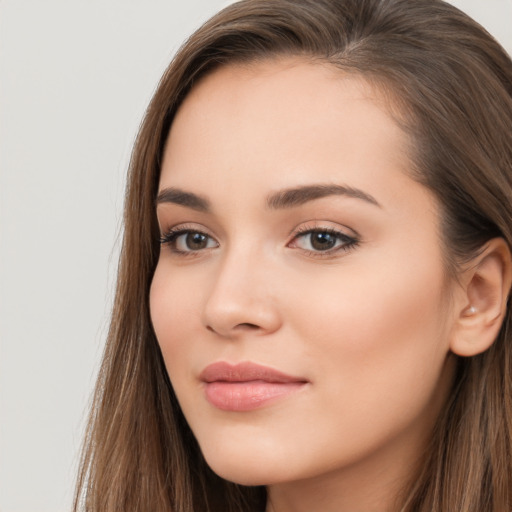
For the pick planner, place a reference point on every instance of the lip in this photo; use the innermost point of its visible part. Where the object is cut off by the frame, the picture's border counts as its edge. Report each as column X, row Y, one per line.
column 246, row 386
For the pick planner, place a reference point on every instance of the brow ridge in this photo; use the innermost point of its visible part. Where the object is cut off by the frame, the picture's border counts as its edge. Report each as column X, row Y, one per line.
column 183, row 198
column 282, row 199
column 297, row 196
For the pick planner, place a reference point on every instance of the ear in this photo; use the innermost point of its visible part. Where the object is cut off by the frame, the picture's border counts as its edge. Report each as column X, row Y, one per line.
column 481, row 306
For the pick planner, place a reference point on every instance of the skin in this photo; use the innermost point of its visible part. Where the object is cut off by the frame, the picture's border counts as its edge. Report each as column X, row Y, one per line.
column 368, row 326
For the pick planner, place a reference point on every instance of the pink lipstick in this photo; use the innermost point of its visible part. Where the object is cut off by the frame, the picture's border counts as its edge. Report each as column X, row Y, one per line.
column 246, row 386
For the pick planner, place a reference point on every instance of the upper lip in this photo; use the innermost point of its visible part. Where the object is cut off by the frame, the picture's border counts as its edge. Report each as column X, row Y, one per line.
column 245, row 372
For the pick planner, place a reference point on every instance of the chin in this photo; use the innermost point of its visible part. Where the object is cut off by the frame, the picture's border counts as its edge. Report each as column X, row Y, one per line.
column 247, row 467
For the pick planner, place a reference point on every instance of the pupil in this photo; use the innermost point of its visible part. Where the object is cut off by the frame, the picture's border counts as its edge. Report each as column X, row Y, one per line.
column 323, row 241
column 196, row 241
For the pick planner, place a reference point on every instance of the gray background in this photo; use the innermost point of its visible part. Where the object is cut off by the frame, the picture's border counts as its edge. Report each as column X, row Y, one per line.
column 75, row 78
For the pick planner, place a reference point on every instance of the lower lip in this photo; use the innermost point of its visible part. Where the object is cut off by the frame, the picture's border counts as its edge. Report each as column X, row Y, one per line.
column 247, row 396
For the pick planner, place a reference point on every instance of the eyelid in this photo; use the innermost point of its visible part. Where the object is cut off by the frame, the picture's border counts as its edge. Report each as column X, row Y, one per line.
column 323, row 225
column 170, row 235
column 350, row 240
column 185, row 226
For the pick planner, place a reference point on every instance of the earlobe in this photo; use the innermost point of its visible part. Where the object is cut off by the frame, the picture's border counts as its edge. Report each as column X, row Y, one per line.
column 482, row 305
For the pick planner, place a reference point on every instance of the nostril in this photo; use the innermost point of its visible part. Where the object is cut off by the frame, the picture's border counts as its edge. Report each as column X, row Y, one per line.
column 239, row 327
column 247, row 326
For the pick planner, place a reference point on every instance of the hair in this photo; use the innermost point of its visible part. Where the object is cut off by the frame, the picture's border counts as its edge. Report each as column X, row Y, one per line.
column 452, row 84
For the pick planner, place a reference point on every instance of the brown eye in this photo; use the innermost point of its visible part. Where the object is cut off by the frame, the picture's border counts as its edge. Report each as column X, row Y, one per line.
column 188, row 241
column 196, row 241
column 323, row 241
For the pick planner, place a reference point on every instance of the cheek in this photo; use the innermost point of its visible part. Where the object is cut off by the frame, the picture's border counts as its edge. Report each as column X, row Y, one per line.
column 174, row 312
column 380, row 334
column 378, row 299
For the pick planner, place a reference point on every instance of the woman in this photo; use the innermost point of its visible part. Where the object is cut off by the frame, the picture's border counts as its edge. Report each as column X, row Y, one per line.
column 311, row 306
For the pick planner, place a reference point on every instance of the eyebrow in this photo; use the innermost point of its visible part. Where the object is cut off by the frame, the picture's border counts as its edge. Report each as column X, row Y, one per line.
column 188, row 199
column 282, row 199
column 297, row 196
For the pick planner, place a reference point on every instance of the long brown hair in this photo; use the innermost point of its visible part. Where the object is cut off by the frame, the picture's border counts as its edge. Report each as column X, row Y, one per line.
column 451, row 84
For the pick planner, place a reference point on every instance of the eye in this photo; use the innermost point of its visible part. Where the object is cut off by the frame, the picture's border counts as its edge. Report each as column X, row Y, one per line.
column 187, row 241
column 323, row 240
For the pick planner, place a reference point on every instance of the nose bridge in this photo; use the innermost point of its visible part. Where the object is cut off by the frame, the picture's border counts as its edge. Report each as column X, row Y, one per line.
column 242, row 295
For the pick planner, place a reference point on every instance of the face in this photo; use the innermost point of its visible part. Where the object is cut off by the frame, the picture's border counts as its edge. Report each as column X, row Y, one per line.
column 300, row 298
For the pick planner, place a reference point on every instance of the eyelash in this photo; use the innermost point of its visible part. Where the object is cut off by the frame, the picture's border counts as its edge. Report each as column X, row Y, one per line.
column 171, row 236
column 348, row 242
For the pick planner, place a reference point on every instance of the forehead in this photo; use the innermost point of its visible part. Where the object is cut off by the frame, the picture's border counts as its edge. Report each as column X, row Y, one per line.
column 281, row 123
column 300, row 94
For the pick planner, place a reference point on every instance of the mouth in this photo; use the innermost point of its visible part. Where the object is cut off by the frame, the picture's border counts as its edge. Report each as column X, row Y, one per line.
column 246, row 386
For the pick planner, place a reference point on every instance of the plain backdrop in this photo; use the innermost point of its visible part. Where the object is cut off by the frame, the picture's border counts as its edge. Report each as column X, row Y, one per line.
column 75, row 78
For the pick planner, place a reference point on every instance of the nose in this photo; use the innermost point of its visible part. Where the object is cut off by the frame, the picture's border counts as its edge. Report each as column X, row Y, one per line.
column 243, row 299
